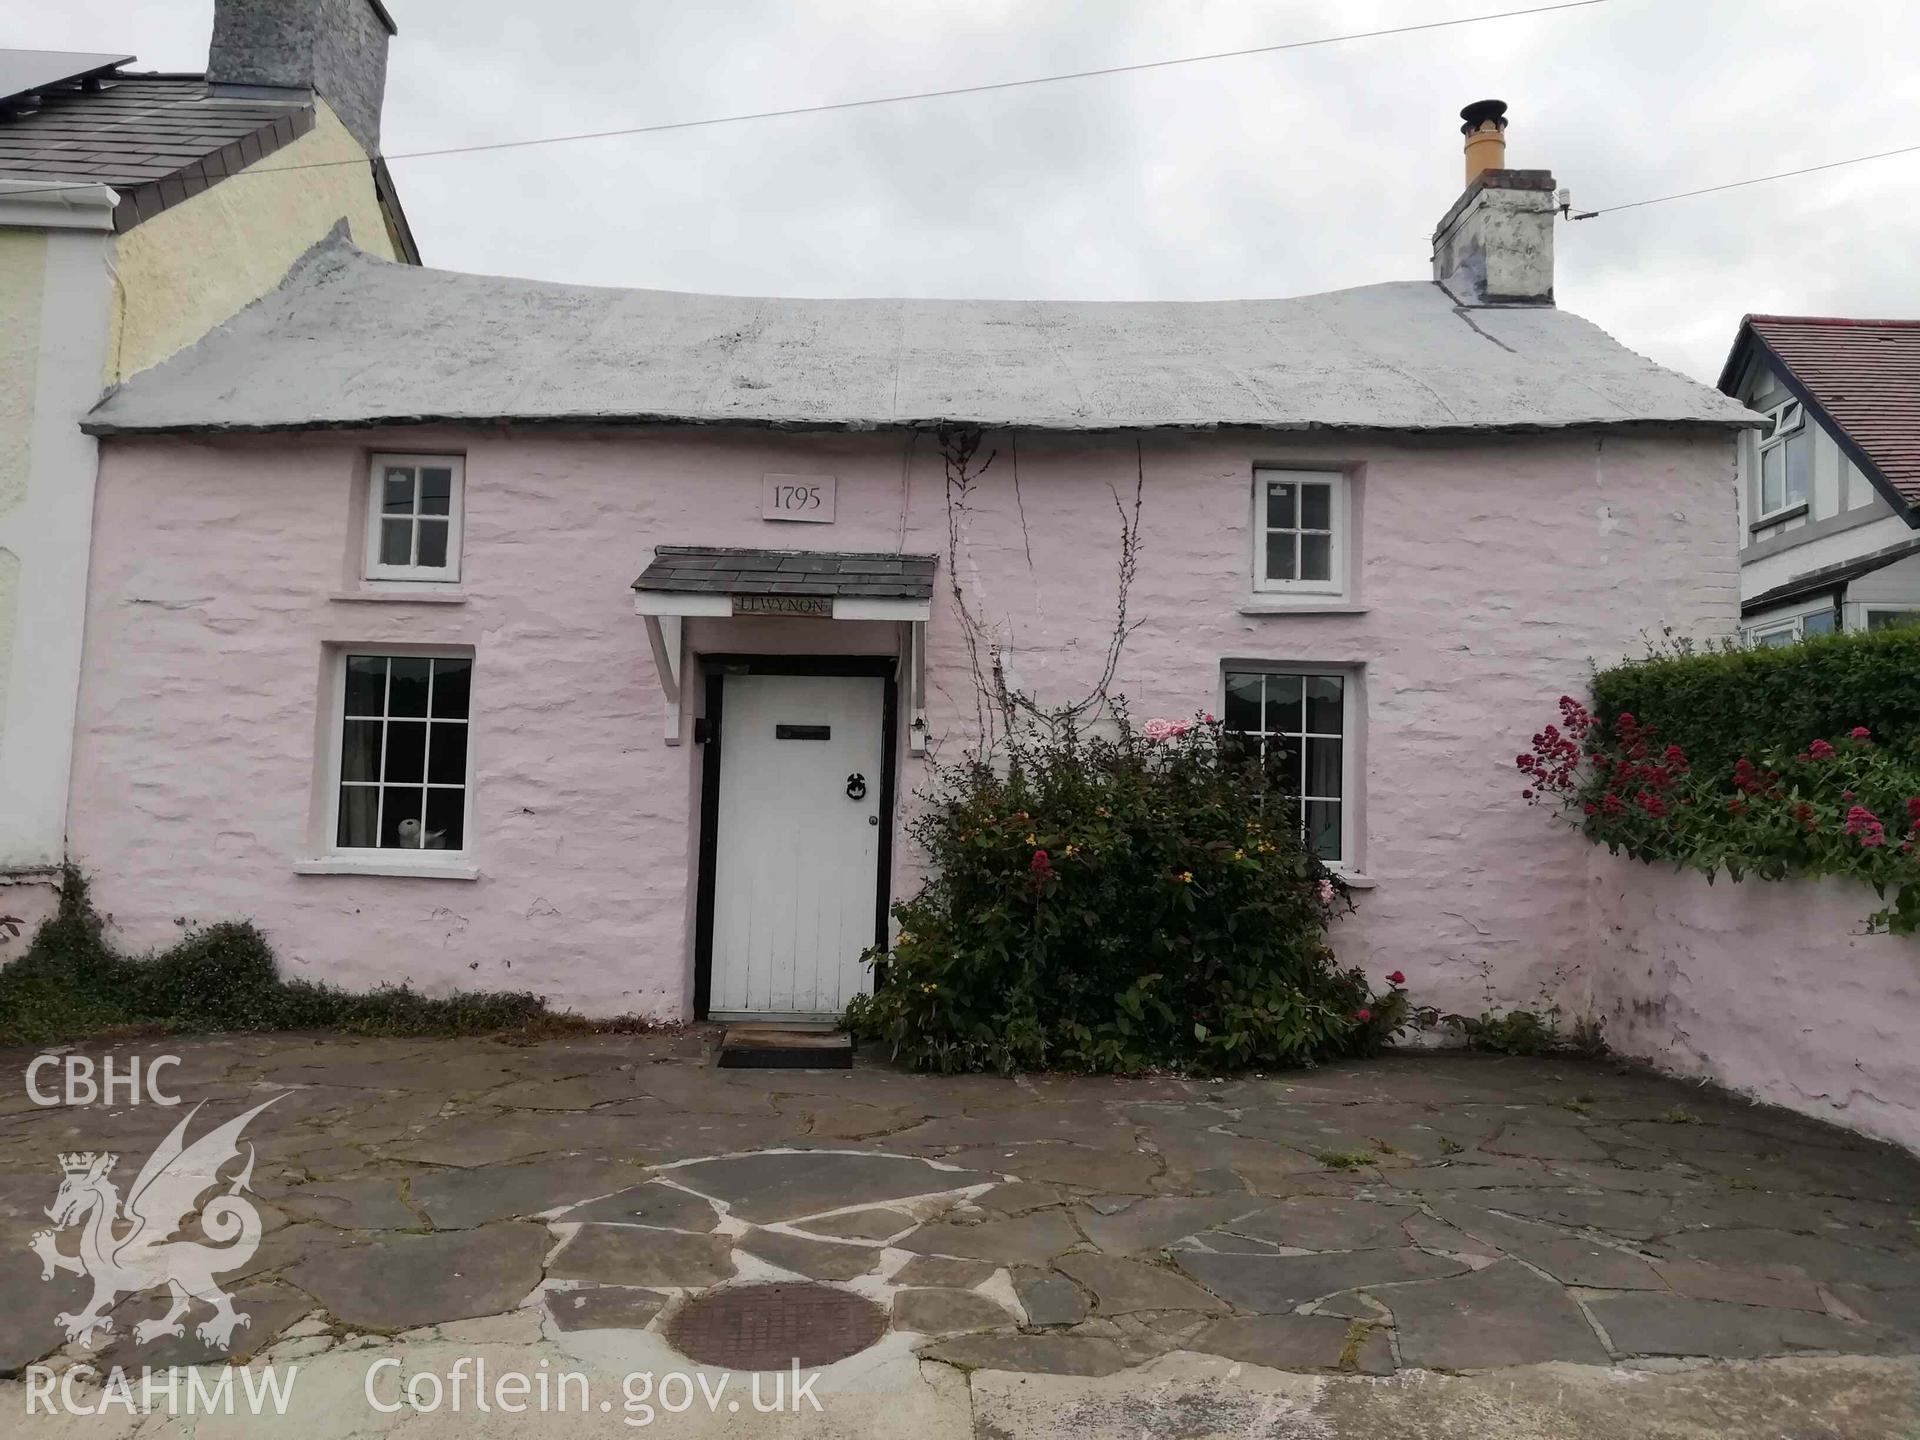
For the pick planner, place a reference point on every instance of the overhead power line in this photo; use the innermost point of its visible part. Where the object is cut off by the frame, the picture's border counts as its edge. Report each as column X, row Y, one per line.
column 986, row 88
column 1755, row 180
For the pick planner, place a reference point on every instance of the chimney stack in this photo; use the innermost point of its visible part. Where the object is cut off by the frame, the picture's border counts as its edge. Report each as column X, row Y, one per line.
column 296, row 49
column 1495, row 246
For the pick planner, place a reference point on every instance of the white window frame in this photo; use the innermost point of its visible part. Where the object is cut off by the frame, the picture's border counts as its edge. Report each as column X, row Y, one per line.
column 1784, row 421
column 1792, row 623
column 1758, row 636
column 456, row 519
column 1352, row 803
column 1340, row 532
column 370, row 859
column 1869, row 608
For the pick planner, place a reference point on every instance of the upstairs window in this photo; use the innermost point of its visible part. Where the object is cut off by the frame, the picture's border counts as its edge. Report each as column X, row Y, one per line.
column 1786, row 460
column 1300, row 532
column 413, row 517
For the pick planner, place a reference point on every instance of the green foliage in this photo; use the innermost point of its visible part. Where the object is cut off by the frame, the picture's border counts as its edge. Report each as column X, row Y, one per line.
column 1720, row 705
column 1117, row 905
column 1533, row 1032
column 1846, row 806
column 1345, row 1159
column 1516, row 1032
column 71, row 983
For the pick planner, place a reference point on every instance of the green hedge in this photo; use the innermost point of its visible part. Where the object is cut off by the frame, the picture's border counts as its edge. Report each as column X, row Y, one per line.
column 72, row 983
column 1721, row 705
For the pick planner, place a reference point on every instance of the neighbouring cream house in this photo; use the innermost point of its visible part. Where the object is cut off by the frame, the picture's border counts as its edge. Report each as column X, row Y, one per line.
column 137, row 211
column 487, row 632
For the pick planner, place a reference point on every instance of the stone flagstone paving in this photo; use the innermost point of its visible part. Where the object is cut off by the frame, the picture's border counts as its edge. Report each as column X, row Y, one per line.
column 1443, row 1213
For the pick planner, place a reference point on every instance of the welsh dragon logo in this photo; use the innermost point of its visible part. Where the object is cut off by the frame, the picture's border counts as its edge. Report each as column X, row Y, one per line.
column 145, row 1244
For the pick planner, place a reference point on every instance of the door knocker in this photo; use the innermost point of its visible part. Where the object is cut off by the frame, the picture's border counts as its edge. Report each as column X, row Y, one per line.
column 856, row 787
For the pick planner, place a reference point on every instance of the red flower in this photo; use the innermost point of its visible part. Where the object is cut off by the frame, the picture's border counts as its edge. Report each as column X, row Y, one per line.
column 1396, row 978
column 1041, row 864
column 1860, row 732
column 1363, row 1013
column 1820, row 750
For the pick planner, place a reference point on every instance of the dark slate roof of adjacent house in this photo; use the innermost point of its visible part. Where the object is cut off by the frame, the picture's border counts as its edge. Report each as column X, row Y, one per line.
column 348, row 340
column 1829, row 577
column 1861, row 379
column 710, row 570
column 156, row 139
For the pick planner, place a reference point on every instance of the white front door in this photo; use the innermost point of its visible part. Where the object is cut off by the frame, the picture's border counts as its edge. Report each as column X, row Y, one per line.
column 797, row 843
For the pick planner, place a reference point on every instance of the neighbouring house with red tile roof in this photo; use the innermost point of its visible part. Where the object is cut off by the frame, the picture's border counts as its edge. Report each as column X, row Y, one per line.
column 1829, row 490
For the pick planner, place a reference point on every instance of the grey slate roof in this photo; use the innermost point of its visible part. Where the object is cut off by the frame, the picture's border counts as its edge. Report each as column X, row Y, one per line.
column 157, row 139
column 349, row 340
column 1829, row 577
column 711, row 570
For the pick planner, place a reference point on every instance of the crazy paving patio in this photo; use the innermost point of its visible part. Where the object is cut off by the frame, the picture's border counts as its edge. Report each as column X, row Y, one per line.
column 1381, row 1248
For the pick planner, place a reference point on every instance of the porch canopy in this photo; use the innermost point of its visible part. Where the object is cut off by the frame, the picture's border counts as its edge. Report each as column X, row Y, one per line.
column 717, row 581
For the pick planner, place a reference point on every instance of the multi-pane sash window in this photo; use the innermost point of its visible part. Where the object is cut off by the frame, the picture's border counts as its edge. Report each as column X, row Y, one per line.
column 413, row 518
column 1786, row 459
column 1299, row 531
column 403, row 752
column 1300, row 724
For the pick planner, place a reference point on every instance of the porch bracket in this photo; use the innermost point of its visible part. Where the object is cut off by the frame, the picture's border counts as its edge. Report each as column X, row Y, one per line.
column 917, row 687
column 663, row 634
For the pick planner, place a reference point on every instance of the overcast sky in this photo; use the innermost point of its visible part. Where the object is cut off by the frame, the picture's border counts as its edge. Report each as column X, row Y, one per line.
column 1265, row 176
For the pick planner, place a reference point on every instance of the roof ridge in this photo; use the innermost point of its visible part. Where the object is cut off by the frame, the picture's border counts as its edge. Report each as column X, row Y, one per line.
column 1838, row 321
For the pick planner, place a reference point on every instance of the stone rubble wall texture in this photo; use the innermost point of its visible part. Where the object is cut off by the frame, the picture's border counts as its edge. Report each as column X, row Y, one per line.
column 1769, row 989
column 1491, row 569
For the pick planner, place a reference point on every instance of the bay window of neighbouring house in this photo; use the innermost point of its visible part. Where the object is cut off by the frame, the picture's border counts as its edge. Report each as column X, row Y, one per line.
column 414, row 506
column 1300, row 533
column 1777, row 630
column 1302, row 721
column 400, row 774
column 1786, row 461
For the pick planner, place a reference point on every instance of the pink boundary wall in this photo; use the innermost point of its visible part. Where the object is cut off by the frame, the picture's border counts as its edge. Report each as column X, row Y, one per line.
column 1492, row 568
column 1768, row 989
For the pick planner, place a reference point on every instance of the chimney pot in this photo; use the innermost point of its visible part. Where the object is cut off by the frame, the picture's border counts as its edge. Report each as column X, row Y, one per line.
column 1484, row 123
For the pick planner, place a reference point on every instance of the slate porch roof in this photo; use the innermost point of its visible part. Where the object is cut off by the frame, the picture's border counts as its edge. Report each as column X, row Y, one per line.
column 157, row 139
column 1860, row 378
column 720, row 570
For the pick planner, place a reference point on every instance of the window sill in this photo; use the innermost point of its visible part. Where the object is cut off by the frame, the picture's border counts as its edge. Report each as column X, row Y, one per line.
column 1299, row 605
column 1353, row 879
column 1792, row 512
column 422, row 592
column 382, row 865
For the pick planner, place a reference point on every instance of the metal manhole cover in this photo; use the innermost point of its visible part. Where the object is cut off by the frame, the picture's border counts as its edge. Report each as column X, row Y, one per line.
column 770, row 1327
